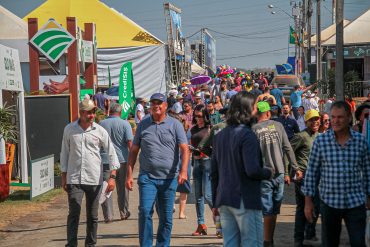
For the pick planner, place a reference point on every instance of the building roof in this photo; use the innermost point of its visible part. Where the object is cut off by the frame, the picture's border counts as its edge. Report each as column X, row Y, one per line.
column 12, row 27
column 327, row 33
column 113, row 29
column 357, row 32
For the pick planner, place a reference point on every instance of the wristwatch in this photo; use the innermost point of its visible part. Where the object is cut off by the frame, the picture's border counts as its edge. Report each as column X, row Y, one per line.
column 112, row 176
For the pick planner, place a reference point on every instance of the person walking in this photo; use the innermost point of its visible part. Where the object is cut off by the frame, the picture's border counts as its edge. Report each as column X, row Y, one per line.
column 274, row 144
column 81, row 168
column 161, row 139
column 236, row 176
column 278, row 95
column 304, row 232
column 202, row 167
column 120, row 132
column 140, row 111
column 339, row 166
column 290, row 124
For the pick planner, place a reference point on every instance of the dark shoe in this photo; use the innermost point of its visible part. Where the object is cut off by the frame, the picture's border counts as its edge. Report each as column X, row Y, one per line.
column 126, row 216
column 108, row 221
column 314, row 241
column 201, row 230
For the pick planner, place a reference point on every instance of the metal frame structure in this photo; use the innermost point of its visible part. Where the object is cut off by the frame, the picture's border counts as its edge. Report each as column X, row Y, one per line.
column 178, row 67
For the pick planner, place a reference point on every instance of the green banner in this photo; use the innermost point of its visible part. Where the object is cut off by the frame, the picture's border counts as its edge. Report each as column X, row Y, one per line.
column 85, row 91
column 293, row 36
column 126, row 90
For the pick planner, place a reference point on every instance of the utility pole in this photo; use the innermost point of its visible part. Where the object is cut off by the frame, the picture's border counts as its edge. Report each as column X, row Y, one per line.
column 339, row 75
column 318, row 42
column 304, row 34
column 334, row 2
column 296, row 14
column 309, row 30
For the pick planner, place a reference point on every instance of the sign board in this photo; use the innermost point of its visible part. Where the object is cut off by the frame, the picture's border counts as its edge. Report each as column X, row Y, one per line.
column 52, row 40
column 42, row 175
column 355, row 52
column 10, row 69
column 210, row 51
column 87, row 51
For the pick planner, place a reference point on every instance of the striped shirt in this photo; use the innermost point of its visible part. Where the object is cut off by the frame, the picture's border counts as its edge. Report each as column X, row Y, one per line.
column 342, row 173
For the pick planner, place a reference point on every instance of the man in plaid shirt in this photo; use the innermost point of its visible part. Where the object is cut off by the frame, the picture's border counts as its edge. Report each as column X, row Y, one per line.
column 339, row 165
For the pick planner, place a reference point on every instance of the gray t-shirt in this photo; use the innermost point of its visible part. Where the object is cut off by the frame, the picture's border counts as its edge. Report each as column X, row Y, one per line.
column 274, row 143
column 120, row 133
column 159, row 143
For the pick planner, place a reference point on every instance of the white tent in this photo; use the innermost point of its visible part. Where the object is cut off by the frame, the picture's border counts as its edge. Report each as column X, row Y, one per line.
column 327, row 33
column 196, row 69
column 14, row 33
column 355, row 33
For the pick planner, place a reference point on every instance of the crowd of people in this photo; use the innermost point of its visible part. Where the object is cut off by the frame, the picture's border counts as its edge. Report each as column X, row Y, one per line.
column 241, row 141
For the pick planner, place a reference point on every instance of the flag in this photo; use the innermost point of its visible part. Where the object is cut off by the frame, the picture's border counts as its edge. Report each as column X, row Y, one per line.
column 293, row 39
column 109, row 79
column 126, row 90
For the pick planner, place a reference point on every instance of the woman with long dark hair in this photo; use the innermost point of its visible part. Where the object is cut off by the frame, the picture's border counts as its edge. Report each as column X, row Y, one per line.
column 202, row 166
column 236, row 175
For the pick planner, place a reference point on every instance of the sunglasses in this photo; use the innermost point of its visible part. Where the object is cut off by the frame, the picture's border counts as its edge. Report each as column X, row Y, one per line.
column 326, row 120
column 198, row 116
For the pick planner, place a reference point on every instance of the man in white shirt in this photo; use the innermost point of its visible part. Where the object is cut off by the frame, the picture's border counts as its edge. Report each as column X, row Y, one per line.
column 140, row 111
column 82, row 170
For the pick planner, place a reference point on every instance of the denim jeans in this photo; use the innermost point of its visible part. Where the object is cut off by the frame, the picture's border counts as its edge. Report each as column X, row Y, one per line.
column 354, row 218
column 241, row 226
column 163, row 192
column 75, row 195
column 301, row 225
column 272, row 195
column 202, row 186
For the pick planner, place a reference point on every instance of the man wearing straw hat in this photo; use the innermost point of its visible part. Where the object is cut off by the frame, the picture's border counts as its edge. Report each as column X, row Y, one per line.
column 82, row 171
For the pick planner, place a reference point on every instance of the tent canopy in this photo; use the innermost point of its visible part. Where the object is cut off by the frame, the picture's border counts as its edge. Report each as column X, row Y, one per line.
column 14, row 33
column 113, row 29
column 196, row 69
column 357, row 32
column 327, row 33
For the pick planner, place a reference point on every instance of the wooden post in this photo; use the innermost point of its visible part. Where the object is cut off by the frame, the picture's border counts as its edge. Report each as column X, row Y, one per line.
column 34, row 57
column 73, row 68
column 89, row 67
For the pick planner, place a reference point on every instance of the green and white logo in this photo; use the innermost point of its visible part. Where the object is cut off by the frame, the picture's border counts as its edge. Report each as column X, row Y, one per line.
column 52, row 40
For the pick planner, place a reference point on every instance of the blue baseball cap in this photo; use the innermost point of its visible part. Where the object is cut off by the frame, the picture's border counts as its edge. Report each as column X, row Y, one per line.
column 158, row 96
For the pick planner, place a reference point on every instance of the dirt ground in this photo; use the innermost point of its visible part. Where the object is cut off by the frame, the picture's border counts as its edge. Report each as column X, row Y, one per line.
column 44, row 224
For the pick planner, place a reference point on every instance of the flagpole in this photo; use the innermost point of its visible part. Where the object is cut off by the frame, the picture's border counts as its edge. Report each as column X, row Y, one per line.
column 109, row 78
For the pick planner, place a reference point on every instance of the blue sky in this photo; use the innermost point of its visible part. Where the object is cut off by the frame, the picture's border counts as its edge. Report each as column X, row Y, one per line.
column 242, row 28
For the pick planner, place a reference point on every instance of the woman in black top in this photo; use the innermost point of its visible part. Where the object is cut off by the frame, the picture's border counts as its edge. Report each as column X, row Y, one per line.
column 202, row 166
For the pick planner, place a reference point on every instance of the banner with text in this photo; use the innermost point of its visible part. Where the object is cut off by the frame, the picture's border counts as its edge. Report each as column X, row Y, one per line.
column 126, row 90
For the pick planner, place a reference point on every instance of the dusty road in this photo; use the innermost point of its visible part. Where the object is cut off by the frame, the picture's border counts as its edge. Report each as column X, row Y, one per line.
column 48, row 227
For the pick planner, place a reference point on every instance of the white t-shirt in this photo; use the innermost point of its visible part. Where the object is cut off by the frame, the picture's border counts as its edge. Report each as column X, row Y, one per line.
column 139, row 108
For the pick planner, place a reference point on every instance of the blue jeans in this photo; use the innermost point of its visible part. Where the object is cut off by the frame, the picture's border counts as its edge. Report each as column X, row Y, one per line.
column 202, row 186
column 354, row 218
column 241, row 226
column 163, row 192
column 272, row 195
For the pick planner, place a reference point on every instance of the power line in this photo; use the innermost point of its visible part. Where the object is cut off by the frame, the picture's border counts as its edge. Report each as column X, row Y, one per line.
column 253, row 54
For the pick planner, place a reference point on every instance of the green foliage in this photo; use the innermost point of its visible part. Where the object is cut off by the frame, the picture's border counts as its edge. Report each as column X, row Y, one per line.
column 57, row 170
column 7, row 128
column 352, row 86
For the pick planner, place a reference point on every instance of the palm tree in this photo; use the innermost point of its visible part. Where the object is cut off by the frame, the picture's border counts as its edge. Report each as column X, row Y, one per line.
column 8, row 130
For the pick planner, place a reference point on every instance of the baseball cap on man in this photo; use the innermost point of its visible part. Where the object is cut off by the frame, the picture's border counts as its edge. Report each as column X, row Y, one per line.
column 87, row 105
column 263, row 106
column 158, row 96
column 311, row 114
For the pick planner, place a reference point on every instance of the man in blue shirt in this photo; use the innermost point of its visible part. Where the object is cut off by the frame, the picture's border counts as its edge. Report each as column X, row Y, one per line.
column 120, row 132
column 296, row 98
column 339, row 165
column 278, row 94
column 161, row 138
column 290, row 124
